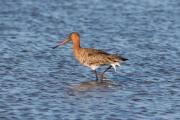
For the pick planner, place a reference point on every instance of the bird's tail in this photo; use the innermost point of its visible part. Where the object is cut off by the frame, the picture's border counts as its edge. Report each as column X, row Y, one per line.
column 124, row 59
column 121, row 58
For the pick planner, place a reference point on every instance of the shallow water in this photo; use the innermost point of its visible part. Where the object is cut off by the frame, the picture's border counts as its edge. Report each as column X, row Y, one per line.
column 38, row 83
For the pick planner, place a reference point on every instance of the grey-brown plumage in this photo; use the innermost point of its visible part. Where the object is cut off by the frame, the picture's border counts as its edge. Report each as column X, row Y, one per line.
column 95, row 58
column 92, row 58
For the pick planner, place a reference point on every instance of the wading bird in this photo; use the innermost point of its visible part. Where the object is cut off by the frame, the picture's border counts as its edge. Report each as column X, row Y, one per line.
column 90, row 57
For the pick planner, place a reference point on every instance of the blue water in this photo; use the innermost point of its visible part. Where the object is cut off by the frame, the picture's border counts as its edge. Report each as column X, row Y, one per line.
column 39, row 83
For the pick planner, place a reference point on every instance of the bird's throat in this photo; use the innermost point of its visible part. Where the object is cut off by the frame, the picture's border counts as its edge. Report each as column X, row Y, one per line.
column 76, row 44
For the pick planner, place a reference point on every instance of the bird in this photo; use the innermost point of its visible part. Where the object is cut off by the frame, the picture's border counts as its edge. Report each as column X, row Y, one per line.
column 90, row 57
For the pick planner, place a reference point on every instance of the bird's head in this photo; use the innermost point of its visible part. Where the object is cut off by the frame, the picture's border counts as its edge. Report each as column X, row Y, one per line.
column 74, row 36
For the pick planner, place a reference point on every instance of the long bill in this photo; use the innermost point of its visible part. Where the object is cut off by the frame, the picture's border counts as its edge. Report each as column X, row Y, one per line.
column 61, row 43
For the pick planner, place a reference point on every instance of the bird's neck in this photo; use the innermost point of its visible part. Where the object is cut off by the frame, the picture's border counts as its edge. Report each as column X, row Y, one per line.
column 76, row 47
column 76, row 44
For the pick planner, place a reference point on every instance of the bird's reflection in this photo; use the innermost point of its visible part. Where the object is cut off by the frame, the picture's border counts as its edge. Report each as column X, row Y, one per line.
column 93, row 85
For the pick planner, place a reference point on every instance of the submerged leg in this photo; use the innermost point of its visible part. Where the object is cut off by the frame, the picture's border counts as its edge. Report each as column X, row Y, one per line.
column 96, row 75
column 105, row 71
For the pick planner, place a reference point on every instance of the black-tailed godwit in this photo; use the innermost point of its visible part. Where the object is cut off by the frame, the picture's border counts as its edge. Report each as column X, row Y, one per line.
column 90, row 57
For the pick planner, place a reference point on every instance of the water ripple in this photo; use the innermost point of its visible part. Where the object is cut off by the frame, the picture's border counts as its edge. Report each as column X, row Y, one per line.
column 39, row 83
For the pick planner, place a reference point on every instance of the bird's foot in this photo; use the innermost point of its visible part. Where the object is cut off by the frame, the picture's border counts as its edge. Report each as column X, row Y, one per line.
column 102, row 78
column 97, row 79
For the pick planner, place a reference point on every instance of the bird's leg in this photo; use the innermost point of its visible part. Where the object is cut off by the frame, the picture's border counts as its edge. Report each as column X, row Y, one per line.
column 96, row 75
column 104, row 72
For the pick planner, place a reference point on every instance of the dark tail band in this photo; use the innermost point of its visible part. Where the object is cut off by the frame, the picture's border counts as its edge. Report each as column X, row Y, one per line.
column 124, row 59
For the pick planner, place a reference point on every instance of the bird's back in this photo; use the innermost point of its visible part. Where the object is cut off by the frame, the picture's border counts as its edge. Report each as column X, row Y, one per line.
column 90, row 56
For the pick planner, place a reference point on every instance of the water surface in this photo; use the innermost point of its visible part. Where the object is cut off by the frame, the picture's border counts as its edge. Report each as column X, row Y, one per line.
column 39, row 83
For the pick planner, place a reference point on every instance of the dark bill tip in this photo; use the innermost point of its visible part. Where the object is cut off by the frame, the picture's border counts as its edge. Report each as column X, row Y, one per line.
column 55, row 47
